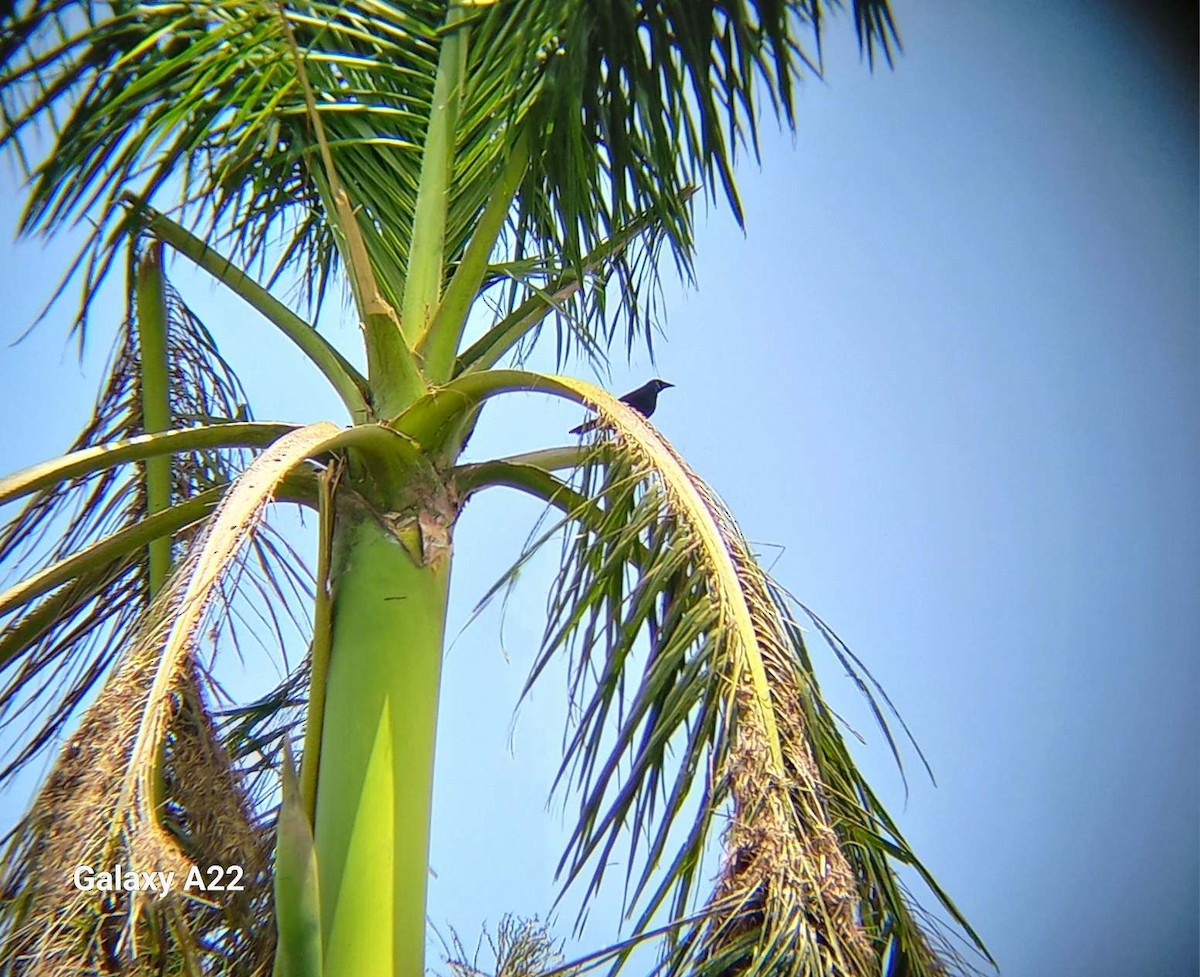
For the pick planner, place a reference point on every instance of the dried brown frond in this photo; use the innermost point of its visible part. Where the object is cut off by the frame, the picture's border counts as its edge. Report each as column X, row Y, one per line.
column 782, row 853
column 84, row 815
column 520, row 948
column 145, row 785
column 694, row 700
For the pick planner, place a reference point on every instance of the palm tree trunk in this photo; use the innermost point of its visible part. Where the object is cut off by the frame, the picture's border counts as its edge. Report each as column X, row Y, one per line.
column 375, row 781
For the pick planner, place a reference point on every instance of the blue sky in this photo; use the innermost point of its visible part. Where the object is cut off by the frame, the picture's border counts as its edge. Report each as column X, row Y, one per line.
column 947, row 381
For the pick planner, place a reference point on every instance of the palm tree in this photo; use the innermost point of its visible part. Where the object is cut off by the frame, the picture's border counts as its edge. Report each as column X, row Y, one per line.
column 471, row 172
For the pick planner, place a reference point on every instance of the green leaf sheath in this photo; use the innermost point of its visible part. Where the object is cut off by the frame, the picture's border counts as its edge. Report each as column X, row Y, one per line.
column 318, row 648
column 376, row 773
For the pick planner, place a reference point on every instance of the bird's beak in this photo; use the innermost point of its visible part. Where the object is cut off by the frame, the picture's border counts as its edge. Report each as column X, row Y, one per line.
column 664, row 384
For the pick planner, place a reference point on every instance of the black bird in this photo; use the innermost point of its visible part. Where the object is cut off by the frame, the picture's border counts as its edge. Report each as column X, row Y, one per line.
column 643, row 400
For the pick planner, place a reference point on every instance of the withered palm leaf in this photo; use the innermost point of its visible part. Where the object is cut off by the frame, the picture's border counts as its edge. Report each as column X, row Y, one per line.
column 694, row 702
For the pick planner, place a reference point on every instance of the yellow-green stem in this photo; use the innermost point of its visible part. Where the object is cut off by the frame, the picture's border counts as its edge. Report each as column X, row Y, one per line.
column 310, row 762
column 374, row 793
column 156, row 399
column 423, row 282
column 97, row 458
column 440, row 342
column 297, row 885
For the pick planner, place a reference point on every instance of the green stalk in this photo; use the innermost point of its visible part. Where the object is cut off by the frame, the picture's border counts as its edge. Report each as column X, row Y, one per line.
column 552, row 459
column 423, row 282
column 156, row 400
column 531, row 479
column 87, row 461
column 492, row 346
column 428, row 420
column 322, row 620
column 31, row 626
column 99, row 555
column 374, row 794
column 440, row 342
column 342, row 376
column 395, row 379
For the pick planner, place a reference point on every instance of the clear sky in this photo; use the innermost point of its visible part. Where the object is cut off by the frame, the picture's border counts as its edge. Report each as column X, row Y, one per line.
column 951, row 370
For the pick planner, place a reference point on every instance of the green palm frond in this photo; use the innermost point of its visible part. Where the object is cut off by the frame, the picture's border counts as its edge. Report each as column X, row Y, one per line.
column 694, row 702
column 204, row 105
column 217, row 120
column 539, row 157
column 640, row 101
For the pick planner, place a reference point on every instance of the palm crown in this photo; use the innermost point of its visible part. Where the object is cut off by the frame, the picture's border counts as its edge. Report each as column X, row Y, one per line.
column 533, row 159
